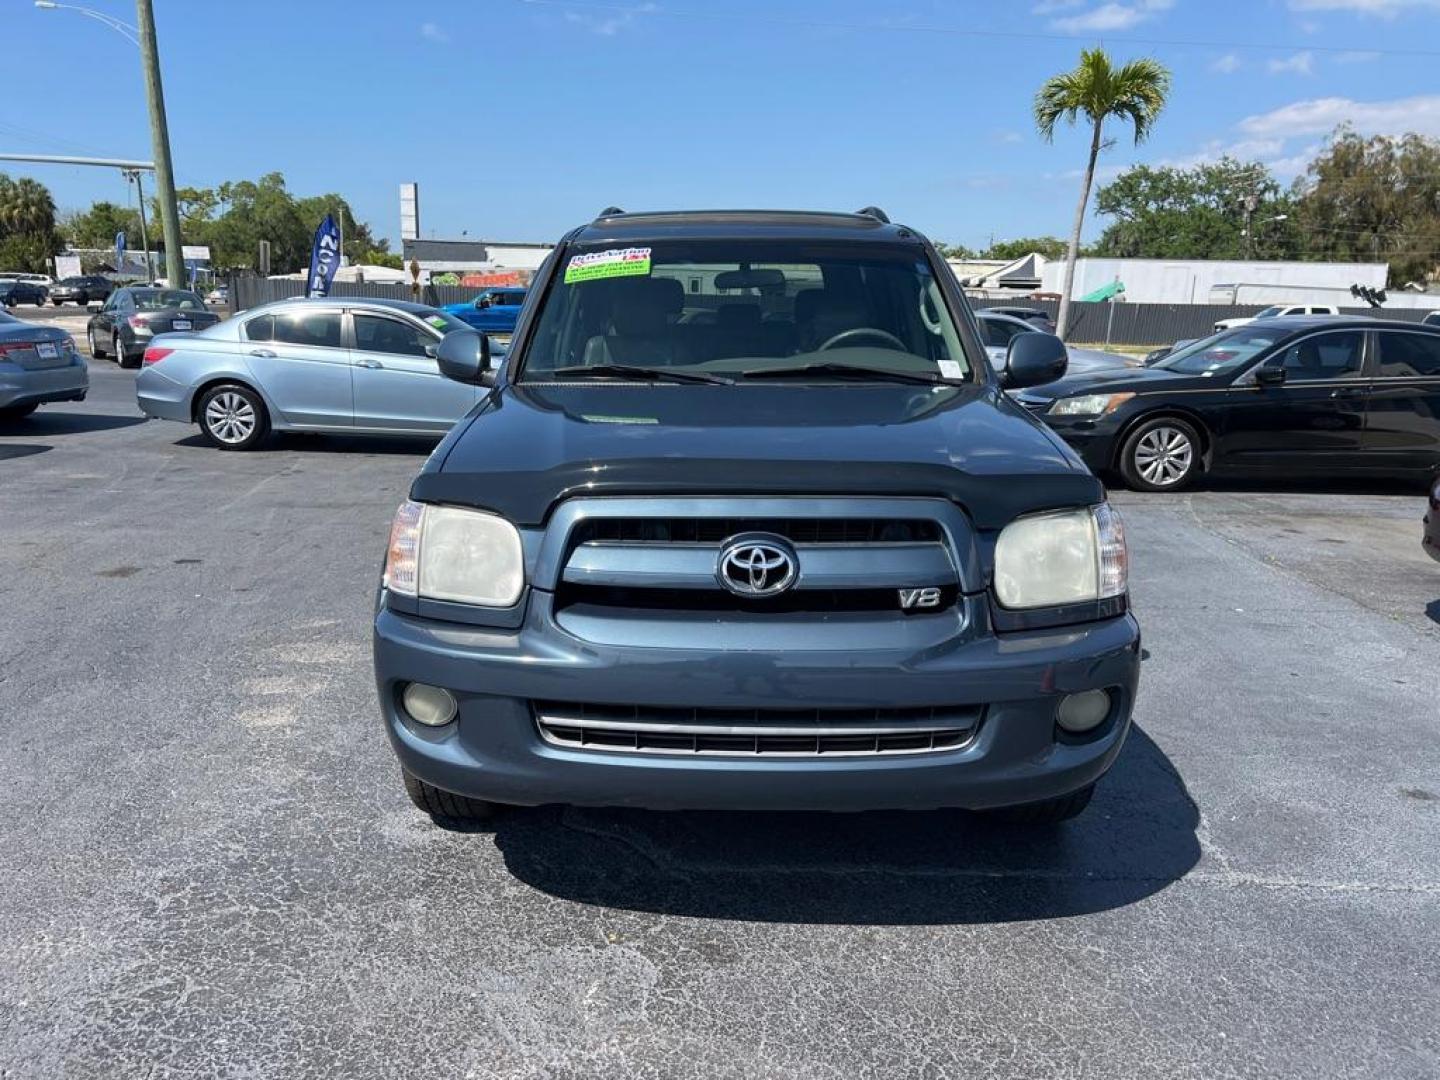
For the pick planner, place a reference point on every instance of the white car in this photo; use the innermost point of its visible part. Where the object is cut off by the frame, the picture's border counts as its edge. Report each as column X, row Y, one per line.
column 1433, row 319
column 34, row 279
column 1275, row 310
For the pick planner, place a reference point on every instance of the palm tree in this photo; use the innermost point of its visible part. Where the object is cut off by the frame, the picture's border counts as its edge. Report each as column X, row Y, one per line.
column 1099, row 90
column 25, row 206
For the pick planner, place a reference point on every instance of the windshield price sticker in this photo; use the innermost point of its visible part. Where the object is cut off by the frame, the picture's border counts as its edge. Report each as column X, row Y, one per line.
column 617, row 262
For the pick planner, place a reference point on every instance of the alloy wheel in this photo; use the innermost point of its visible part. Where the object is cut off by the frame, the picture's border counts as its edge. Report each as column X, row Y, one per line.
column 1164, row 456
column 230, row 418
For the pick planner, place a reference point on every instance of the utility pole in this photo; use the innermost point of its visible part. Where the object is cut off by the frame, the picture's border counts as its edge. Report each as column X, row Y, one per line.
column 134, row 174
column 160, row 137
column 1251, row 201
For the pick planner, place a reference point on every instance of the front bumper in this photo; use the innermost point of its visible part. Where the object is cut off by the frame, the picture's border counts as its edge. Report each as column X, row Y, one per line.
column 19, row 386
column 1093, row 439
column 493, row 750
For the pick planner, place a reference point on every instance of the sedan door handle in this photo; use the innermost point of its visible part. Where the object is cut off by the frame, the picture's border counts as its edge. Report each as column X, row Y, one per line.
column 262, row 352
column 369, row 364
column 1347, row 392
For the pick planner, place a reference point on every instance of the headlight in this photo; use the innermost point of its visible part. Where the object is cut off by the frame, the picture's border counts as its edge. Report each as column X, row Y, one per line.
column 446, row 553
column 1089, row 404
column 1066, row 557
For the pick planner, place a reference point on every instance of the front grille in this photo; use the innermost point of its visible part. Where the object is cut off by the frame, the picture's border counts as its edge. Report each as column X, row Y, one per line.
column 755, row 732
column 711, row 530
column 569, row 595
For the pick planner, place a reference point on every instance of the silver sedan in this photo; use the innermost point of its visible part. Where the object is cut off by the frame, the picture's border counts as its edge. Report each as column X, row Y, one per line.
column 342, row 365
column 37, row 364
column 996, row 330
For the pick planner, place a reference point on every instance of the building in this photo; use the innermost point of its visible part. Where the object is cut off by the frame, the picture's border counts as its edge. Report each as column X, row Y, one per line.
column 1222, row 281
column 474, row 262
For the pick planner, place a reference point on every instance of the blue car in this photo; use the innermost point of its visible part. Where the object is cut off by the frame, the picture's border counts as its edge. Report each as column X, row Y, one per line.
column 494, row 311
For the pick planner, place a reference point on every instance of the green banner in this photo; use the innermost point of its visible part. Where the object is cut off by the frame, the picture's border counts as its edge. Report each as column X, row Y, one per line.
column 617, row 262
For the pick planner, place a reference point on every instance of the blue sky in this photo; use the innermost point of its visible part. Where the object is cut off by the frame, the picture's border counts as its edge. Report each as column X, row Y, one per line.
column 520, row 118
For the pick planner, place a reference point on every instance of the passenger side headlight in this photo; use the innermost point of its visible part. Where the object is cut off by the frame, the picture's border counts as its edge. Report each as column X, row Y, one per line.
column 448, row 553
column 1089, row 404
column 1065, row 557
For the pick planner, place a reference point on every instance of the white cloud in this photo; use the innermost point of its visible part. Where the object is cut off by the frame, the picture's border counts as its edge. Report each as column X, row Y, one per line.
column 610, row 24
column 1111, row 16
column 1226, row 65
column 1320, row 116
column 1009, row 137
column 432, row 32
column 1302, row 63
column 1385, row 9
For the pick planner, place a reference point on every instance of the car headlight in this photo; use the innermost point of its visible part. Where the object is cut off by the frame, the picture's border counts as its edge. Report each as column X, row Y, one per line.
column 1089, row 404
column 1065, row 557
column 448, row 553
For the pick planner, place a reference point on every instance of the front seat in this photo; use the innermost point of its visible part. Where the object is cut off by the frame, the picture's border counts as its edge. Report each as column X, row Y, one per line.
column 641, row 331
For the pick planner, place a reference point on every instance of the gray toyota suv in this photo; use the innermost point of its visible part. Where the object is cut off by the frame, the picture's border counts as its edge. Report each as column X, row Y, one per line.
column 746, row 520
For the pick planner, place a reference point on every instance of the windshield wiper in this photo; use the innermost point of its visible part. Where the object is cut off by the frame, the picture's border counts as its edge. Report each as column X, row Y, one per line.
column 630, row 371
column 844, row 371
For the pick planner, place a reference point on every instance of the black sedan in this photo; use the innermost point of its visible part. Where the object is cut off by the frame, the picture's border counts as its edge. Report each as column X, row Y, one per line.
column 81, row 290
column 1292, row 395
column 15, row 293
column 131, row 317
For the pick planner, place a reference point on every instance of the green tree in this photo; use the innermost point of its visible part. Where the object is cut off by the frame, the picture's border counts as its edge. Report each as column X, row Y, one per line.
column 954, row 251
column 1197, row 213
column 1052, row 247
column 1096, row 89
column 27, row 225
column 96, row 227
column 1374, row 199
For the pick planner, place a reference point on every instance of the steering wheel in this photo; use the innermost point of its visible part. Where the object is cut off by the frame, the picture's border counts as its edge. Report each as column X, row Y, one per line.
column 862, row 332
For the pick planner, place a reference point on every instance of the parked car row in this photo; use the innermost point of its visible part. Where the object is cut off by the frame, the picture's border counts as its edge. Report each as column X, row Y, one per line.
column 131, row 317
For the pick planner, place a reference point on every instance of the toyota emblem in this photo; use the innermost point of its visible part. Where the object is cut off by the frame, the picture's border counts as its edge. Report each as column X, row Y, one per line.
column 756, row 565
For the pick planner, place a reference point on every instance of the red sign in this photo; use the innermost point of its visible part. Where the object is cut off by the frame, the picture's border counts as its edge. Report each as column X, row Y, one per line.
column 498, row 277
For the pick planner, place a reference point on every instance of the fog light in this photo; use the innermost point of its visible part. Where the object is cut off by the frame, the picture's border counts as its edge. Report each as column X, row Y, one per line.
column 428, row 705
column 1083, row 712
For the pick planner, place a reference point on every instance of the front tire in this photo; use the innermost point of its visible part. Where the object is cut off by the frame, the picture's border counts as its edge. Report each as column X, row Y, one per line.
column 95, row 350
column 1048, row 811
column 447, row 808
column 1161, row 455
column 232, row 417
column 125, row 360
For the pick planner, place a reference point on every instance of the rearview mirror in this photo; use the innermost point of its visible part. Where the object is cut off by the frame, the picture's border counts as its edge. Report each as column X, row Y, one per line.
column 1032, row 360
column 93, row 306
column 1270, row 376
column 464, row 355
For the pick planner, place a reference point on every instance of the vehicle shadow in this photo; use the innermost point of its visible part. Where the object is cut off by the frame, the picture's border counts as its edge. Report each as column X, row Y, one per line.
column 19, row 450
column 67, row 423
column 1313, row 486
column 900, row 867
column 308, row 443
column 1432, row 610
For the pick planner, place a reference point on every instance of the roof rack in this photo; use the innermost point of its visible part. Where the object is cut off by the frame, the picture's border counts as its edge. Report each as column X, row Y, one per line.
column 609, row 211
column 874, row 212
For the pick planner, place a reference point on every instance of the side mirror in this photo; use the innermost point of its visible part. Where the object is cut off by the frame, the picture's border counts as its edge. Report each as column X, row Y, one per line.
column 1034, row 359
column 464, row 355
column 93, row 306
column 1269, row 376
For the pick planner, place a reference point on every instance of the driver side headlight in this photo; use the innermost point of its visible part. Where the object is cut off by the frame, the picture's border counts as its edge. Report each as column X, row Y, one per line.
column 1060, row 558
column 1089, row 404
column 449, row 553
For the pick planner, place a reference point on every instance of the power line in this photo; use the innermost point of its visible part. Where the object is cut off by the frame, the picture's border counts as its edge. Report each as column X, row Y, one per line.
column 958, row 31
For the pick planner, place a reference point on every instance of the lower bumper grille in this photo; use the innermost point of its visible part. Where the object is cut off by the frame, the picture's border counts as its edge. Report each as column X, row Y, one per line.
column 756, row 732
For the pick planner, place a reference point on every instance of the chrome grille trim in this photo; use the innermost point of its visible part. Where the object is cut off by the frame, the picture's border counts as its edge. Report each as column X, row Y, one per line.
column 769, row 733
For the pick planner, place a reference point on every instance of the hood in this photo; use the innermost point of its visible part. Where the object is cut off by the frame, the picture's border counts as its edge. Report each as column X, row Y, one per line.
column 1113, row 381
column 531, row 446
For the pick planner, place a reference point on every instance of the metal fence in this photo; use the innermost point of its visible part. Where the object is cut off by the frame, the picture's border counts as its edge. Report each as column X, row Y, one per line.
column 1118, row 324
column 1160, row 324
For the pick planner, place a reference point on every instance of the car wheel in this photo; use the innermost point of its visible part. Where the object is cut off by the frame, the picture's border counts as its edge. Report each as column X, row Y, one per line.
column 125, row 359
column 447, row 808
column 1048, row 811
column 17, row 412
column 1161, row 455
column 95, row 350
column 232, row 417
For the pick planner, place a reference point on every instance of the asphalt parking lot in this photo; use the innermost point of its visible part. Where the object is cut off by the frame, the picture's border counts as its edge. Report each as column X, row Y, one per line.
column 208, row 866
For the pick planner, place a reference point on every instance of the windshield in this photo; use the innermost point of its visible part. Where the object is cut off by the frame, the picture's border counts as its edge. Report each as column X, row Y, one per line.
column 156, row 299
column 740, row 307
column 1273, row 309
column 1221, row 352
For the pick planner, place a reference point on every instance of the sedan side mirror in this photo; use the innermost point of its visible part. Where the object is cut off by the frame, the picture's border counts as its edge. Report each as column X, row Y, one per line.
column 94, row 306
column 1269, row 376
column 464, row 355
column 1034, row 359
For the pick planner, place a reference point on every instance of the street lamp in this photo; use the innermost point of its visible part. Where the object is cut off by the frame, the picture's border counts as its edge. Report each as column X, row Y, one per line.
column 143, row 37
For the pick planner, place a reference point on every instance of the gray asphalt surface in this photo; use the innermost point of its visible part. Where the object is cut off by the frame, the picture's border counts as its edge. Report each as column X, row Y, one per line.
column 208, row 867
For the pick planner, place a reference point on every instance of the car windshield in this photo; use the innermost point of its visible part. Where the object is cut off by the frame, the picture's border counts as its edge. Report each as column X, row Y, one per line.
column 1220, row 353
column 1273, row 309
column 158, row 299
column 73, row 281
column 741, row 308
